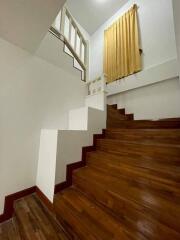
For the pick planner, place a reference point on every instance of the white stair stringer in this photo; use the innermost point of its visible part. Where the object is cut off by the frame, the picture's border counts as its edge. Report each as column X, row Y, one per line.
column 58, row 148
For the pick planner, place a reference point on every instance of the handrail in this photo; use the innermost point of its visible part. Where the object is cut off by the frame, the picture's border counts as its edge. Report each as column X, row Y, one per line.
column 63, row 39
column 70, row 34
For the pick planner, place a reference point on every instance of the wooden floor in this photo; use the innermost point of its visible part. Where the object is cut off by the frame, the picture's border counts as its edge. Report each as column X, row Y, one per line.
column 9, row 231
column 32, row 221
column 128, row 190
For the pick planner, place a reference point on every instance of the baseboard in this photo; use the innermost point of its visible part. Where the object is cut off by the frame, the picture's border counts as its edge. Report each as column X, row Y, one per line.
column 71, row 167
column 10, row 199
column 44, row 199
column 9, row 202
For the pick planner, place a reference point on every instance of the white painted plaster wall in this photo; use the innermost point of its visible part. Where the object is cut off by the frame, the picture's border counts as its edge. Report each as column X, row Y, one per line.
column 34, row 95
column 176, row 8
column 58, row 148
column 153, row 75
column 157, row 35
column 156, row 101
column 70, row 142
column 142, row 93
column 78, row 119
column 97, row 100
column 45, row 179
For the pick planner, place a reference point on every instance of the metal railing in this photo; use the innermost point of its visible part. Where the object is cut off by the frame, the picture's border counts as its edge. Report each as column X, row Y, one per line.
column 66, row 29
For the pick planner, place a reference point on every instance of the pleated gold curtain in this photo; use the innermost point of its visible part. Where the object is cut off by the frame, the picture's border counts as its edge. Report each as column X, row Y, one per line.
column 121, row 47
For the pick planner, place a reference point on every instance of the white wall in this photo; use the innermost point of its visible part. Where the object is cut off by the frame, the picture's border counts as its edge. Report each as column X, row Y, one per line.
column 70, row 142
column 34, row 94
column 24, row 23
column 176, row 8
column 156, row 101
column 58, row 148
column 147, row 94
column 46, row 169
column 157, row 35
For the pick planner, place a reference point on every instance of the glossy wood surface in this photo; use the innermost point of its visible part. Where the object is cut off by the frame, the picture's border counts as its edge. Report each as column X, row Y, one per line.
column 131, row 181
column 116, row 118
column 32, row 221
column 10, row 231
column 36, row 222
column 127, row 187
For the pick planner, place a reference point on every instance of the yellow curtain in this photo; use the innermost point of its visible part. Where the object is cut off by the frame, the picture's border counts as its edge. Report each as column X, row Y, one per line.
column 121, row 47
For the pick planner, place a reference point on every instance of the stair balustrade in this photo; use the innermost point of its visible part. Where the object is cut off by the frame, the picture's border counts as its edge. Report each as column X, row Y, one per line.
column 98, row 85
column 66, row 29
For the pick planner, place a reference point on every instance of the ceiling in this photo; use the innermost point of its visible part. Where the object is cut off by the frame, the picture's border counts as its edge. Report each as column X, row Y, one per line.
column 91, row 14
column 25, row 22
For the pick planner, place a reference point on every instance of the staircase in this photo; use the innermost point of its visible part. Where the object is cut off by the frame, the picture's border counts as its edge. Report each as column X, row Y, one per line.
column 129, row 188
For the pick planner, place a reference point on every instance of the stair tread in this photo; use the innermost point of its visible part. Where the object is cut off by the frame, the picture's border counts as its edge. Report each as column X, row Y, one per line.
column 161, row 152
column 174, row 130
column 141, row 164
column 140, row 186
column 144, row 134
column 114, row 166
column 174, row 146
column 129, row 193
column 36, row 222
column 88, row 220
column 141, row 124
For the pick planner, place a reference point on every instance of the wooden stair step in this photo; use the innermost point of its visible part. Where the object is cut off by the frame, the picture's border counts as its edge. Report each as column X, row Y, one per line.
column 116, row 115
column 144, row 124
column 124, row 198
column 36, row 222
column 140, row 184
column 86, row 220
column 159, row 152
column 170, row 136
column 155, row 184
column 170, row 119
column 10, row 230
column 170, row 173
column 113, row 106
column 117, row 169
column 122, row 111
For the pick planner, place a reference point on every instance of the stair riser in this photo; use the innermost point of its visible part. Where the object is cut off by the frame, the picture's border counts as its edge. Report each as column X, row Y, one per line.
column 159, row 153
column 160, row 175
column 134, row 188
column 129, row 212
column 145, row 137
column 141, row 175
column 115, row 116
column 167, row 171
column 144, row 125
